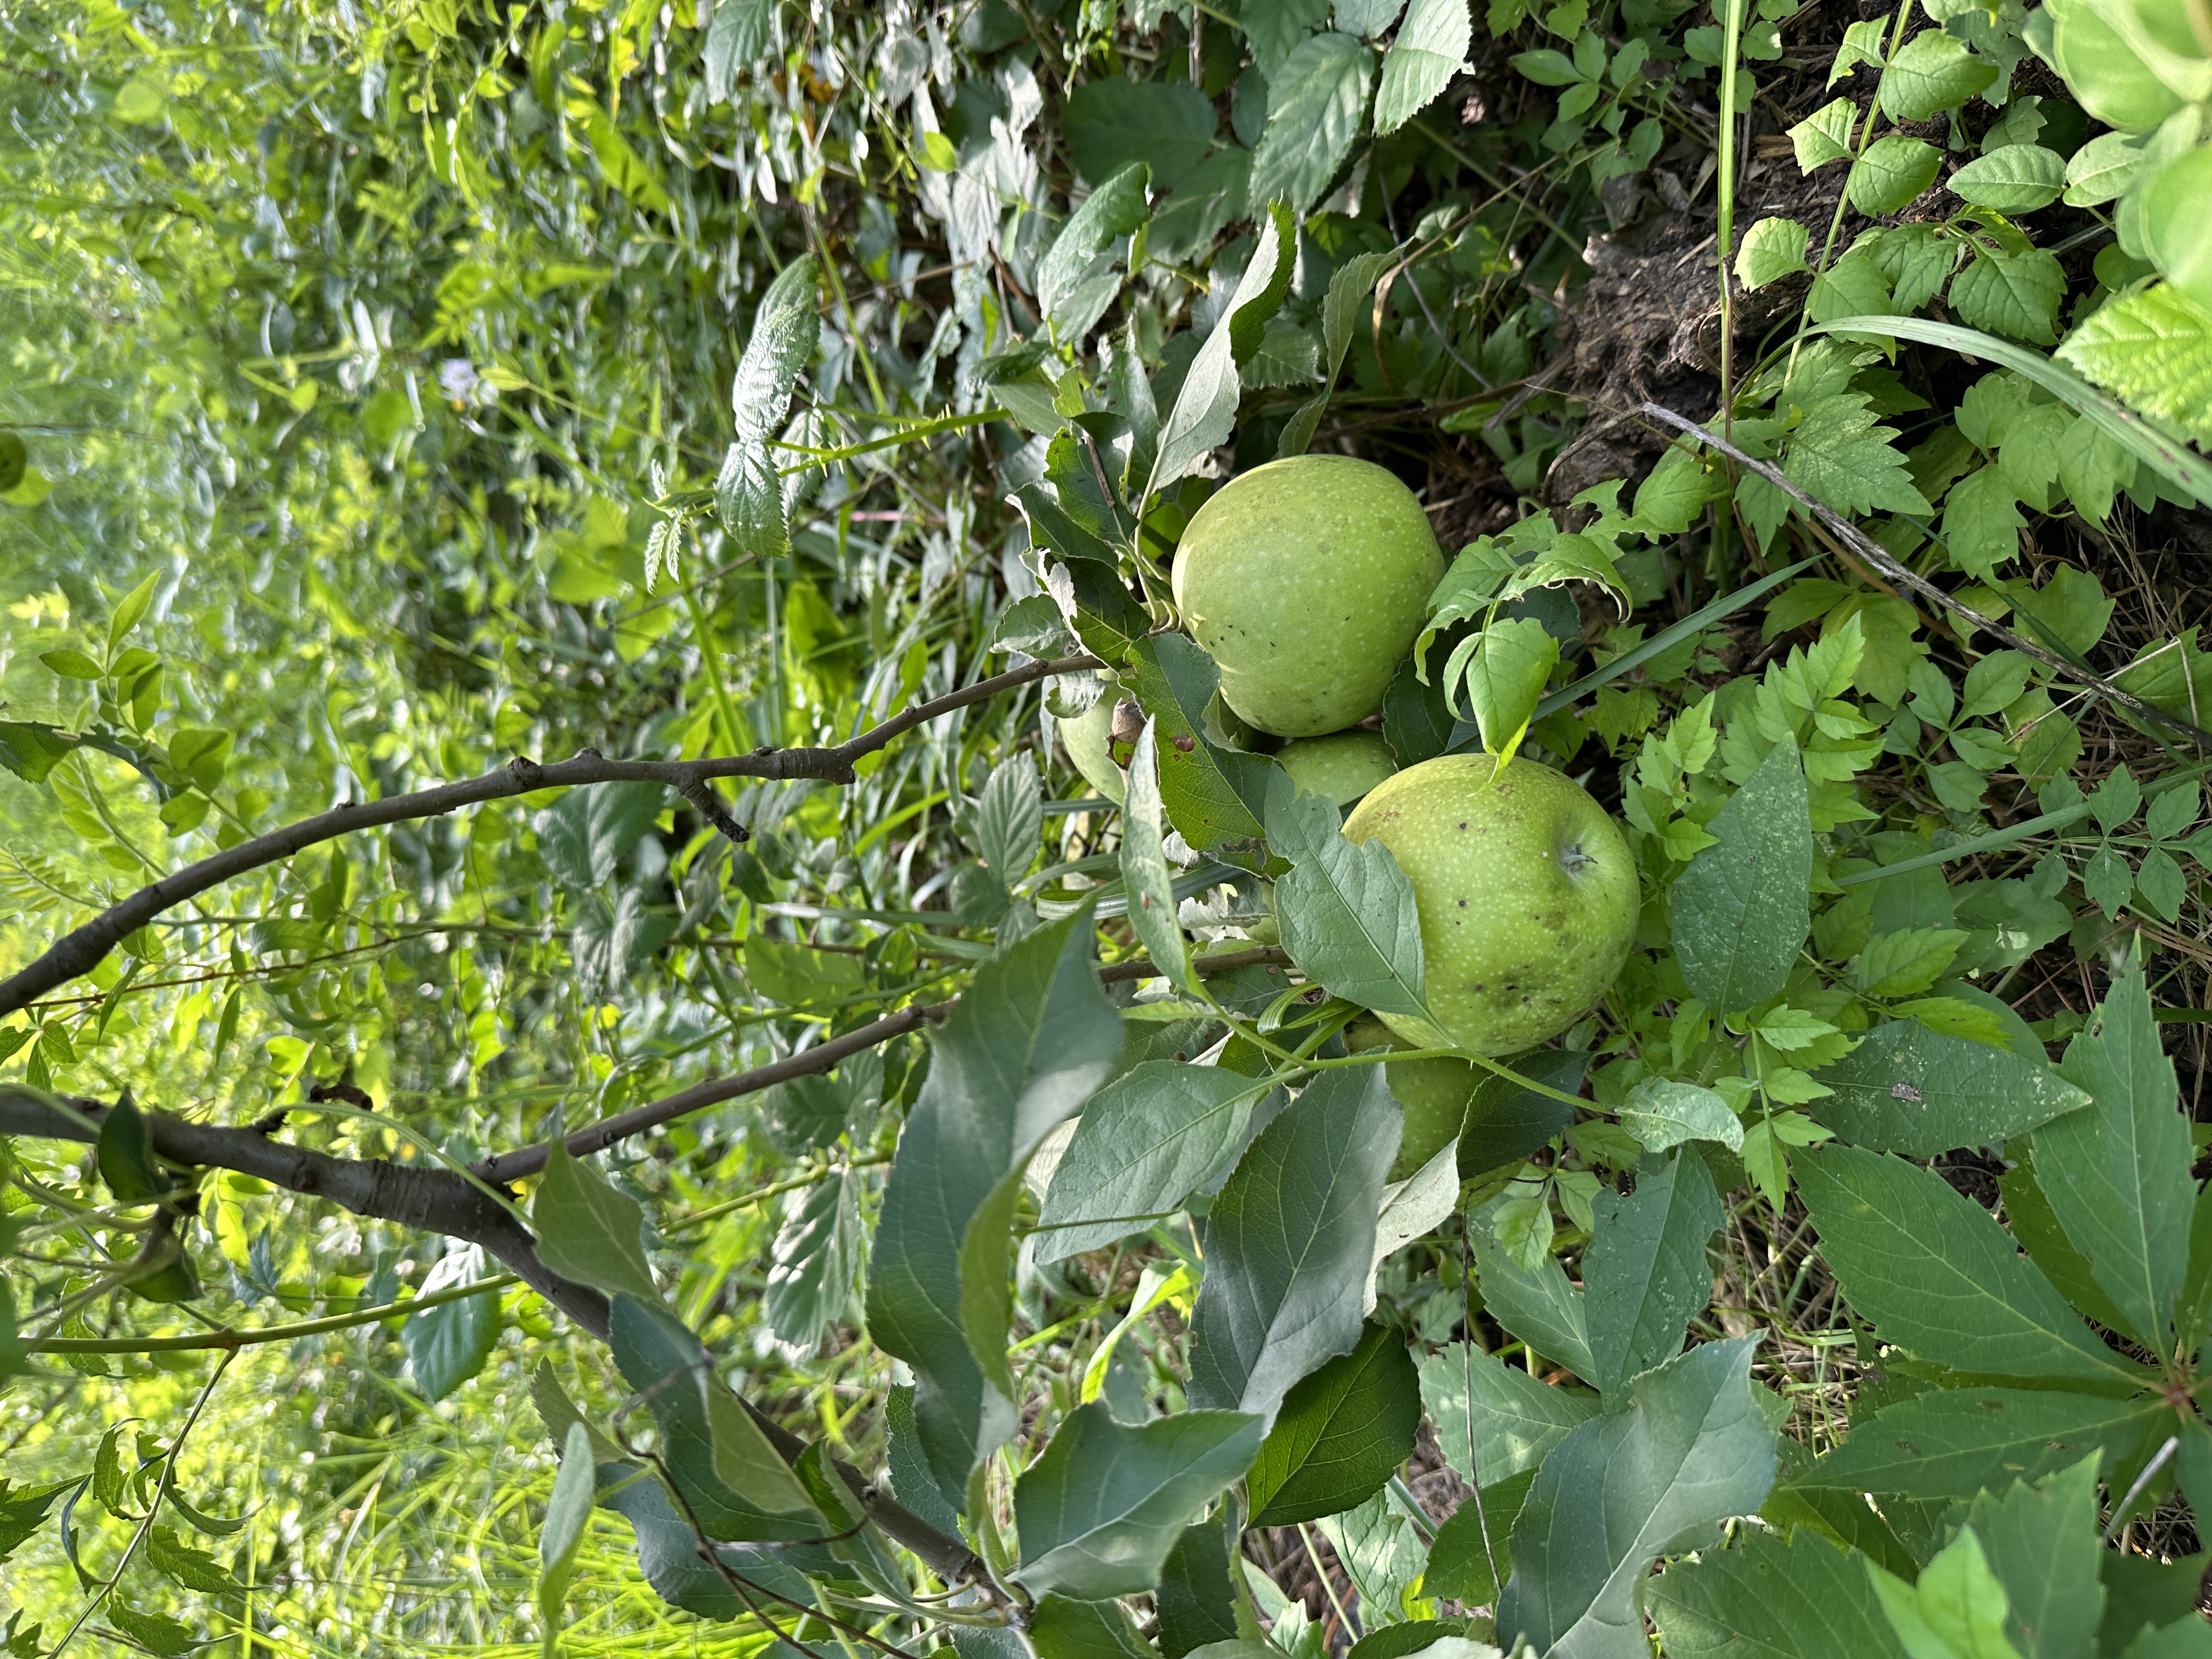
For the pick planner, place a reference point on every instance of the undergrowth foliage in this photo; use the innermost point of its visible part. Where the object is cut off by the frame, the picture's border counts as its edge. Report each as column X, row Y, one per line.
column 882, row 1149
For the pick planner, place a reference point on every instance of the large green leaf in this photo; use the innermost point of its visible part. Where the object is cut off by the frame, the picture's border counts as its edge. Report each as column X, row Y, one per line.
column 1951, row 1442
column 1691, row 1449
column 581, row 834
column 2116, row 1172
column 1493, row 1420
column 1340, row 1433
column 1954, row 1610
column 589, row 1231
column 1740, row 907
column 716, row 1456
column 1934, row 1273
column 1289, row 1243
column 1146, row 876
column 1213, row 796
column 1024, row 1048
column 1907, row 1089
column 1763, row 1598
column 1062, row 1628
column 1348, row 288
column 1644, row 1272
column 1148, row 1139
column 1506, row 1123
column 1315, row 102
column 2041, row 1544
column 1100, row 1510
column 1346, row 909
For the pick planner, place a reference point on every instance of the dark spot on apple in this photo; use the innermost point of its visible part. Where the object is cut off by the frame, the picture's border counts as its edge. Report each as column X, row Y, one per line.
column 1462, row 826
column 1463, row 904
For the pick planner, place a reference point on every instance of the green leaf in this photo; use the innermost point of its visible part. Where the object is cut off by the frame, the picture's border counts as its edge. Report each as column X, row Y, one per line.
column 1840, row 455
column 1955, row 1611
column 1932, row 71
column 1472, row 1556
column 449, row 1344
column 1427, row 51
column 193, row 1568
column 23, row 1511
column 1099, row 1510
column 1690, row 1450
column 2011, row 294
column 1741, row 911
column 1934, row 1273
column 1981, row 522
column 1063, row 1628
column 2028, row 1218
column 1494, row 1420
column 2153, row 348
column 1644, row 1270
column 1349, row 287
column 156, row 1633
column 715, row 1454
column 1673, row 493
column 1502, row 671
column 1205, row 408
column 668, row 1549
column 2041, row 1545
column 1068, row 271
column 1212, row 796
column 567, row 1512
column 1315, row 102
column 1289, row 1243
column 1771, row 249
column 1023, row 1049
column 1506, row 1123
column 1340, row 1434
column 1009, row 820
column 1289, row 355
column 126, row 1156
column 1112, row 123
column 71, row 665
column 1197, row 1601
column 748, row 493
column 1147, row 1141
column 1766, row 1598
column 1901, row 963
column 1893, row 171
column 31, row 749
column 737, row 39
column 589, row 1231
column 1824, row 135
column 1146, row 876
column 130, row 608
column 1537, row 1305
column 2014, row 179
column 1951, row 1442
column 583, row 834
column 1345, row 911
column 1662, row 1113
column 1906, row 1089
column 2116, row 1172
column 2104, row 167
column 814, row 1264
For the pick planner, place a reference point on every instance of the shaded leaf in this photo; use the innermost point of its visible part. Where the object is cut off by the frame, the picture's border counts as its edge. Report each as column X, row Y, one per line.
column 1340, row 1434
column 1741, row 911
column 1907, row 1089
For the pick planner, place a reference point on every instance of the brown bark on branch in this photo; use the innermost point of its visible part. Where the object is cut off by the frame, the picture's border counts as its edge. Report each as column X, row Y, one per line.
column 82, row 950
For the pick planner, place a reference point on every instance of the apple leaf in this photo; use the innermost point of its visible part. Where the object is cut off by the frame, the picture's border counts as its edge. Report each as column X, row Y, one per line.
column 1504, row 670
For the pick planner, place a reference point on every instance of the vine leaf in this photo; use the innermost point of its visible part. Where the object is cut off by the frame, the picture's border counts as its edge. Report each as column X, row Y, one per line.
column 1804, row 1597
column 1950, row 1442
column 1024, row 1048
column 1288, row 1243
column 1691, row 1449
column 1907, row 1089
column 1101, row 1507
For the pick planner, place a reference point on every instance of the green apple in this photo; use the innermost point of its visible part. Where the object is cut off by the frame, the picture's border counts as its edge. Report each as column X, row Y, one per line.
column 1089, row 740
column 1525, row 889
column 1306, row 581
column 1343, row 766
column 1435, row 1094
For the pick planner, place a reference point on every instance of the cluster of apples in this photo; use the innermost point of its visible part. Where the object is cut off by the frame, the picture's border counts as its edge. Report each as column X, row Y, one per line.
column 1307, row 580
